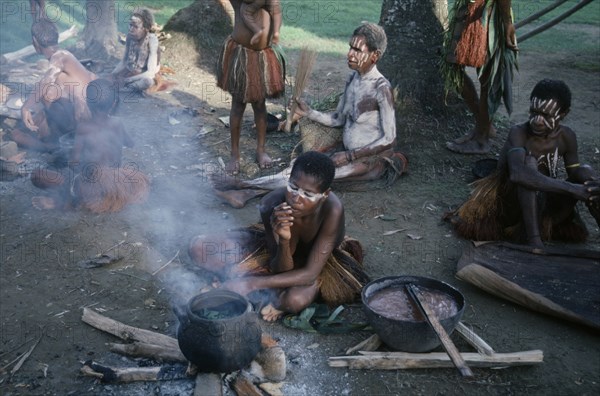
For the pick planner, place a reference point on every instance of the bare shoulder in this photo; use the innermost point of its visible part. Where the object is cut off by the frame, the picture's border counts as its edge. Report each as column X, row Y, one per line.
column 334, row 207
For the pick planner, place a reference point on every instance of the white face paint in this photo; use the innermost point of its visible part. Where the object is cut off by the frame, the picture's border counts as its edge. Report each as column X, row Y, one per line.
column 359, row 55
column 136, row 28
column 544, row 115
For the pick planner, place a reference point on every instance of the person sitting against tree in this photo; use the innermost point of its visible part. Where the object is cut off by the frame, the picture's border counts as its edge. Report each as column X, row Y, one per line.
column 365, row 113
column 524, row 199
column 300, row 253
column 139, row 70
column 58, row 102
column 467, row 44
column 98, row 181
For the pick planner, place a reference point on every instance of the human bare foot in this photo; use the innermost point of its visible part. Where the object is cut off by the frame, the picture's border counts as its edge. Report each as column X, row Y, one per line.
column 222, row 181
column 239, row 198
column 264, row 161
column 471, row 134
column 43, row 203
column 469, row 147
column 233, row 167
column 270, row 313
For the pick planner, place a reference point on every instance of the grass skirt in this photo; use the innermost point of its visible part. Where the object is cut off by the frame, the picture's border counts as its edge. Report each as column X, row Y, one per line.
column 492, row 213
column 248, row 75
column 340, row 282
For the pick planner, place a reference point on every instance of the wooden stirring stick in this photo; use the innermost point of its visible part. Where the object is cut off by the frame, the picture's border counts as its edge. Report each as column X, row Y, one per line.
column 431, row 317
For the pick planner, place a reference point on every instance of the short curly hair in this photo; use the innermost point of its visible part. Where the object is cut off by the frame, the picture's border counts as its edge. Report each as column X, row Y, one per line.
column 317, row 165
column 553, row 89
column 45, row 32
column 374, row 35
column 146, row 16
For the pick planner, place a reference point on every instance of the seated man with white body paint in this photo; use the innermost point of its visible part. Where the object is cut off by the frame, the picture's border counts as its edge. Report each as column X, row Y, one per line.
column 524, row 199
column 366, row 114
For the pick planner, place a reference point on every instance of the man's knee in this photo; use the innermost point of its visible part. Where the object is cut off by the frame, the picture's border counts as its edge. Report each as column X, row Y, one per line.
column 295, row 300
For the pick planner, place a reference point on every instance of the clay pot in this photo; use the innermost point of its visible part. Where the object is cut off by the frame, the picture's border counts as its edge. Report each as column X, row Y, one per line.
column 410, row 335
column 220, row 345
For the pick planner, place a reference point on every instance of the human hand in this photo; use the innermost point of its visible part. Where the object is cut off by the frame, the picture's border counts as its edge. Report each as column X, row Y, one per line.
column 511, row 36
column 27, row 118
column 275, row 38
column 282, row 221
column 339, row 158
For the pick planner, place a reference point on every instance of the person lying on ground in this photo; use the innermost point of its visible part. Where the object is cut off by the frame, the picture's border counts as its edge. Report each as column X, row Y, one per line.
column 251, row 69
column 300, row 253
column 524, row 199
column 96, row 181
column 365, row 114
column 58, row 102
column 139, row 69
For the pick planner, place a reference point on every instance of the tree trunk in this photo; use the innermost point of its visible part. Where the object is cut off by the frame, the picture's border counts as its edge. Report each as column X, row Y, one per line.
column 100, row 32
column 415, row 38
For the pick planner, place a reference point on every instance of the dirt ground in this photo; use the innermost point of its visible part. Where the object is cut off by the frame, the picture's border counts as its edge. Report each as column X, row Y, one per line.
column 179, row 138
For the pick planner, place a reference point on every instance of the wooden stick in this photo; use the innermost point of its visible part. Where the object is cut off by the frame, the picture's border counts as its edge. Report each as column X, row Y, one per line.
column 404, row 360
column 125, row 332
column 538, row 14
column 24, row 357
column 447, row 343
column 474, row 340
column 29, row 50
column 140, row 349
column 555, row 21
column 370, row 344
column 242, row 386
column 164, row 266
column 131, row 374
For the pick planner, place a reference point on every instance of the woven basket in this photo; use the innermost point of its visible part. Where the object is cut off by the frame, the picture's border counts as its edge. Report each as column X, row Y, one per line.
column 317, row 137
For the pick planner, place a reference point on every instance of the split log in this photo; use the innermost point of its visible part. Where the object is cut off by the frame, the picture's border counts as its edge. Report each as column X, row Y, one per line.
column 474, row 340
column 127, row 333
column 131, row 374
column 29, row 50
column 242, row 386
column 156, row 352
column 370, row 344
column 403, row 360
column 521, row 276
column 208, row 384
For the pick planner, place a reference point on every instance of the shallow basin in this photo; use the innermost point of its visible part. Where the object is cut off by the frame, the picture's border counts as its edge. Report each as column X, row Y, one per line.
column 394, row 315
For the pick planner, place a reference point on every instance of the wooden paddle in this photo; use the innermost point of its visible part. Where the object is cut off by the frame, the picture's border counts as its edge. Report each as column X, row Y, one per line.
column 433, row 320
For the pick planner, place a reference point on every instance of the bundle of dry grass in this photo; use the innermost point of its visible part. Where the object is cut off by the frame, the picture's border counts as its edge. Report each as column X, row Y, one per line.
column 305, row 65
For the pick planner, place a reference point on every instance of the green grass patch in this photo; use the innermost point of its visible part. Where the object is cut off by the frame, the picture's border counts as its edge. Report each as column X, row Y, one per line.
column 325, row 25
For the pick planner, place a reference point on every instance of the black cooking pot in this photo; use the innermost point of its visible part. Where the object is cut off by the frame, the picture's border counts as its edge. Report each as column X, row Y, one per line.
column 410, row 335
column 218, row 331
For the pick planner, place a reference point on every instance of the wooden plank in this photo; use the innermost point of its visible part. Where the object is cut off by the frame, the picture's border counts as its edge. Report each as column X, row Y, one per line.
column 405, row 360
column 455, row 356
column 556, row 282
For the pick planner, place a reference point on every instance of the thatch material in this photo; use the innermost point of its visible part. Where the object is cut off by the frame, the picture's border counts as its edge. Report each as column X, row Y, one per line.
column 305, row 65
column 111, row 189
